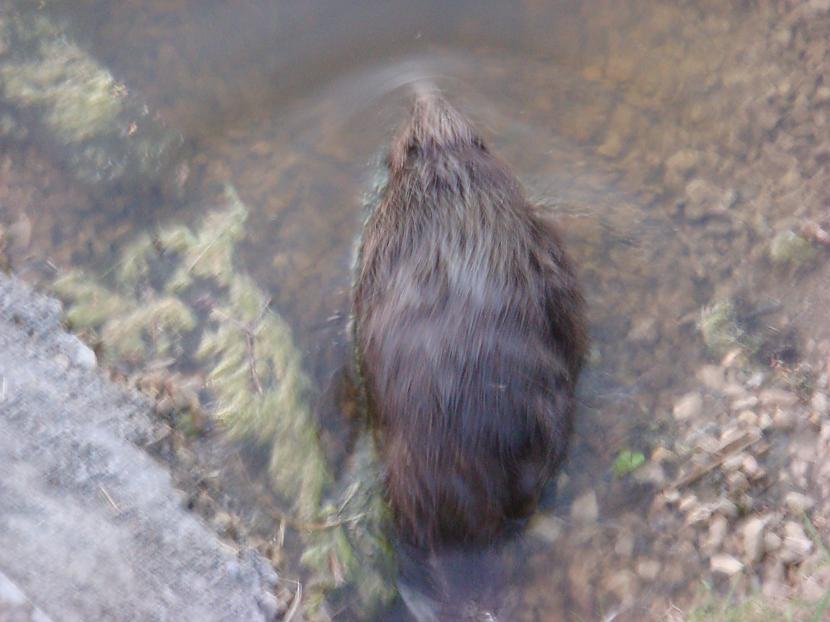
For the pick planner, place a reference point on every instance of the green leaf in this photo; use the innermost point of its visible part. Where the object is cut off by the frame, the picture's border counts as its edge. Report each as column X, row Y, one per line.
column 628, row 461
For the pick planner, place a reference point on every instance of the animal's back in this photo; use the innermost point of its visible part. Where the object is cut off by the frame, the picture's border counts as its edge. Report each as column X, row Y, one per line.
column 470, row 335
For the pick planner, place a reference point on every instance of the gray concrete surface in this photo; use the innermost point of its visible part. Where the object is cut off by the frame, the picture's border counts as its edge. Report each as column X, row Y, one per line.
column 90, row 525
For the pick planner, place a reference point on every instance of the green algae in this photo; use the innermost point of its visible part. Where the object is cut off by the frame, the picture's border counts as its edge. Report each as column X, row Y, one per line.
column 102, row 132
column 262, row 392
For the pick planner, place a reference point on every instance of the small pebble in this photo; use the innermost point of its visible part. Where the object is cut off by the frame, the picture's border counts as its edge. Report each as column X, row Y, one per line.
column 725, row 564
column 708, row 444
column 546, row 528
column 783, row 36
column 775, row 582
column 752, row 534
column 756, row 380
column 798, row 503
column 679, row 163
column 731, row 357
column 818, row 6
column 725, row 507
column 730, row 435
column 748, row 419
column 799, row 469
column 812, row 589
column 796, row 546
column 712, row 376
column 733, row 462
column 661, row 454
column 624, row 546
column 735, row 390
column 645, row 331
column 744, row 403
column 625, row 585
column 165, row 407
column 778, row 397
column 671, row 496
column 650, row 473
column 648, row 569
column 783, row 420
column 223, row 522
column 737, row 482
column 715, row 536
column 688, row 503
column 751, row 467
column 688, row 407
column 585, row 508
column 700, row 514
column 820, row 403
column 772, row 542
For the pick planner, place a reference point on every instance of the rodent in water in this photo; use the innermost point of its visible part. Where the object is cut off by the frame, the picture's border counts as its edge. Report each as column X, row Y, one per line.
column 470, row 333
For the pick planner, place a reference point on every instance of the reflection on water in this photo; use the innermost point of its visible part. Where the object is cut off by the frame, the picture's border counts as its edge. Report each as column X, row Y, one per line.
column 644, row 127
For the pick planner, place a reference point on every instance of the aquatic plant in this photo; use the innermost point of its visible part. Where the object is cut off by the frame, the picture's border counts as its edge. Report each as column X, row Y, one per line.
column 102, row 131
column 256, row 375
column 628, row 461
column 719, row 327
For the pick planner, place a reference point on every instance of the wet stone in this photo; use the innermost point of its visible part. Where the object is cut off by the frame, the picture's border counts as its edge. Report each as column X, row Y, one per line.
column 725, row 507
column 725, row 564
column 624, row 546
column 703, row 199
column 765, row 422
column 716, row 535
column 778, row 397
column 546, row 528
column 783, row 420
column 737, row 482
column 798, row 503
column 688, row 407
column 748, row 419
column 585, row 508
column 751, row 467
column 661, row 454
column 648, row 569
column 645, row 331
column 733, row 463
column 745, row 403
column 712, row 376
column 679, row 164
column 820, row 403
column 772, row 542
column 752, row 535
column 796, row 546
column 625, row 585
column 774, row 585
column 650, row 473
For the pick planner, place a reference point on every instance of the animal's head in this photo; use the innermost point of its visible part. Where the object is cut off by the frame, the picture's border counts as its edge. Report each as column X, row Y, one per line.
column 434, row 127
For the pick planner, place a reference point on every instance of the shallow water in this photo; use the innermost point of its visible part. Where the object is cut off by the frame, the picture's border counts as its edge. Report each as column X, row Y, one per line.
column 589, row 102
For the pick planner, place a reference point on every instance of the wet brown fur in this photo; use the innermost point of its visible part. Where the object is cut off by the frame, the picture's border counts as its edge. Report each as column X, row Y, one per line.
column 470, row 334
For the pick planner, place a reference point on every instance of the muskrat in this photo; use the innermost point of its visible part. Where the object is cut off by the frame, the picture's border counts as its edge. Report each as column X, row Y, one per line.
column 469, row 331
